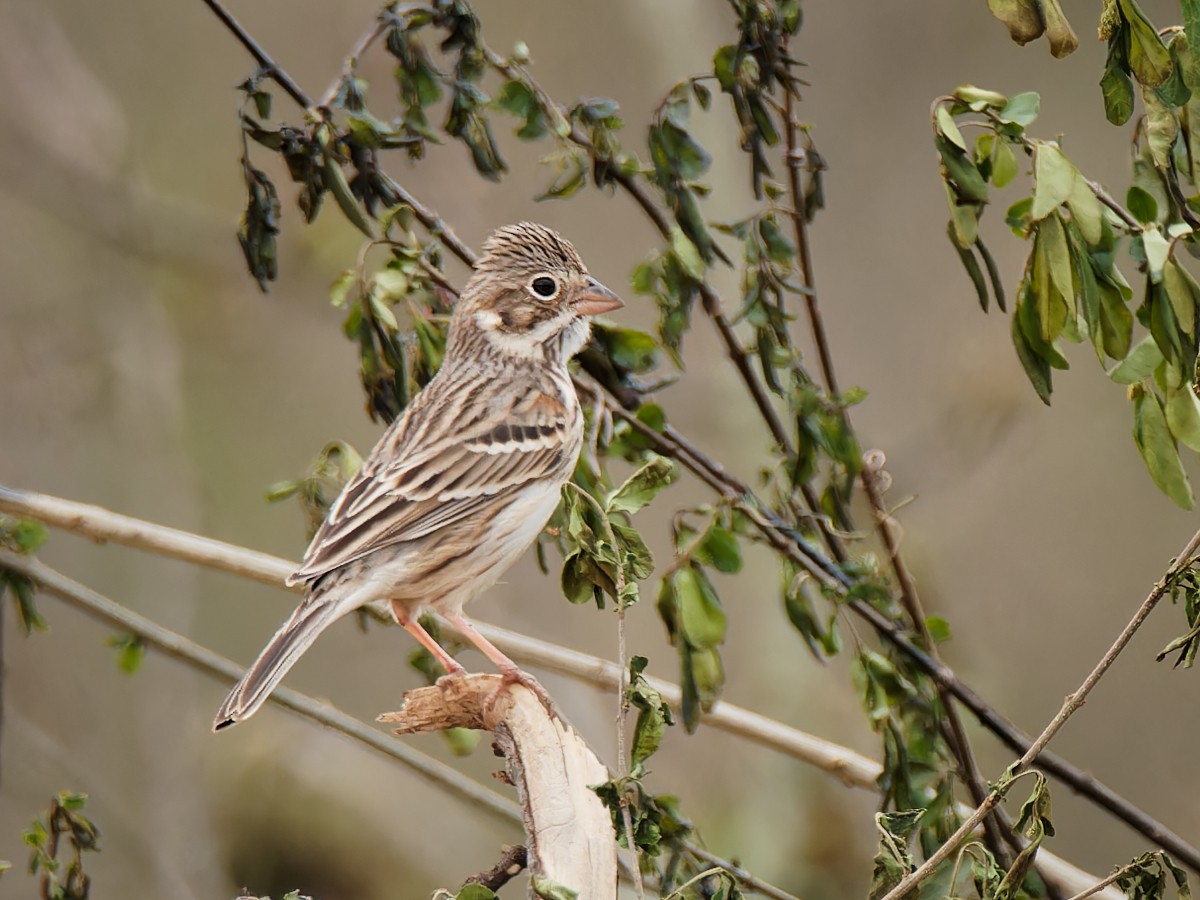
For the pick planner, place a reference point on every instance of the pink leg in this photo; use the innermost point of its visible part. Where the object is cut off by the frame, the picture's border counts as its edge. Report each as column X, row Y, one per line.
column 510, row 670
column 413, row 627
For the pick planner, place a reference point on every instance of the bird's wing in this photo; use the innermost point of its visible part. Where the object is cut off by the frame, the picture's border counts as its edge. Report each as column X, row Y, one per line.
column 447, row 459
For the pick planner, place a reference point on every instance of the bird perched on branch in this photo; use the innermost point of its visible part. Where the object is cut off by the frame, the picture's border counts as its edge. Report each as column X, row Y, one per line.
column 462, row 483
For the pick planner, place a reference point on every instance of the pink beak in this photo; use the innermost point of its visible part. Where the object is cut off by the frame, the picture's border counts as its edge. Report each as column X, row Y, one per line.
column 596, row 299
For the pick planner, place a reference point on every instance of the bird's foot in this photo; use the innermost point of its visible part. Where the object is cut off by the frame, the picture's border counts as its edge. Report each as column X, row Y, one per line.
column 509, row 677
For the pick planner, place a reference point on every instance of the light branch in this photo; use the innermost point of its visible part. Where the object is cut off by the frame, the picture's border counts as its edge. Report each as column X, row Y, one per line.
column 1070, row 706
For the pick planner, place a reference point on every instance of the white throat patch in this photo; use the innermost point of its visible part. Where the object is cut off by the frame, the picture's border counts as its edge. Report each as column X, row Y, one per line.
column 570, row 330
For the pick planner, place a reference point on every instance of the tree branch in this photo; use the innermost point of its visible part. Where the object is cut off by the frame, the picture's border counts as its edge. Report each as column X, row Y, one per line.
column 851, row 768
column 1070, row 705
column 204, row 660
column 268, row 65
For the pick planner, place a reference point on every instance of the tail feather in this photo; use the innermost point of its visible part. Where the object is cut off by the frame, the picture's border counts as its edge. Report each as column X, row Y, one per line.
column 285, row 648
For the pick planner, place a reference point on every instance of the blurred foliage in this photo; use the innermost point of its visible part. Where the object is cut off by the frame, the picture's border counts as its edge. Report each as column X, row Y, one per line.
column 449, row 86
column 57, row 843
column 1072, row 288
column 24, row 536
column 397, row 312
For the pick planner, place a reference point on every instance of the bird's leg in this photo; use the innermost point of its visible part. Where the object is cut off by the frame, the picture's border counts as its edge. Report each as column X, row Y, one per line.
column 511, row 672
column 413, row 627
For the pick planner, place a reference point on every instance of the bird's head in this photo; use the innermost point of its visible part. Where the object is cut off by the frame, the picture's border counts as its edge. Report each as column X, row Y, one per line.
column 531, row 295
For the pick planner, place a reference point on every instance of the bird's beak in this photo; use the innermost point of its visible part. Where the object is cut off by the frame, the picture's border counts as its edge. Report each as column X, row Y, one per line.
column 596, row 299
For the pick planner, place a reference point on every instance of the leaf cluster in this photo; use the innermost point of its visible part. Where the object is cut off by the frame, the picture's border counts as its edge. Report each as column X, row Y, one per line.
column 22, row 536
column 1072, row 287
column 57, row 843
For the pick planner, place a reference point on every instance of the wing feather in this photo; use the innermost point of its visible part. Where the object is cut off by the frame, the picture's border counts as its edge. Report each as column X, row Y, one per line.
column 441, row 463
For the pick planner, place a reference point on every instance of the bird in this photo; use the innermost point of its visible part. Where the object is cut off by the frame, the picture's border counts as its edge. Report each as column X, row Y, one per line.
column 461, row 484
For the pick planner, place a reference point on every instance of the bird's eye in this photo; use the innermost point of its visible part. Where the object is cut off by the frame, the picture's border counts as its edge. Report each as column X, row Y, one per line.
column 544, row 286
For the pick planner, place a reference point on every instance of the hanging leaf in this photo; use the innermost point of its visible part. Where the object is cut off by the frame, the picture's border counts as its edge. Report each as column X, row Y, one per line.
column 1157, row 446
column 642, row 486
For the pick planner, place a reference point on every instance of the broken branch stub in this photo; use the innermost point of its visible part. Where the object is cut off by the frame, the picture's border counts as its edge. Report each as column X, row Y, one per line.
column 568, row 830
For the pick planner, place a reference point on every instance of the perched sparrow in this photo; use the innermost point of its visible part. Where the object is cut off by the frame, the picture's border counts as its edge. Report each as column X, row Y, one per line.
column 461, row 484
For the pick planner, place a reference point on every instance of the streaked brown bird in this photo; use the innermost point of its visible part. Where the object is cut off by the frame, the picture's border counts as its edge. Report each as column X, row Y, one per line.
column 461, row 484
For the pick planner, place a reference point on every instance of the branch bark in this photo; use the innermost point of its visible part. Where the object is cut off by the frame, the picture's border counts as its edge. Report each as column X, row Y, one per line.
column 569, row 830
column 102, row 525
column 853, row 769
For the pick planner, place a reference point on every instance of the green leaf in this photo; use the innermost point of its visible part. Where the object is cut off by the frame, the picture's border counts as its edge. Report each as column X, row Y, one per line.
column 25, row 595
column 653, row 715
column 1149, row 59
column 702, row 621
column 961, row 172
column 629, row 349
column 964, row 219
column 1183, row 293
column 1036, row 367
column 1054, row 180
column 945, row 124
column 685, row 252
column 893, row 860
column 1157, row 248
column 546, row 889
column 1004, row 164
column 23, row 536
column 1052, row 242
column 1183, row 415
column 1116, row 321
column 719, row 549
column 335, row 180
column 1157, row 446
column 939, row 629
column 518, row 99
column 1021, row 109
column 1191, row 25
column 1115, row 84
column 971, row 264
column 1142, row 204
column 641, row 487
column 1086, row 211
column 475, row 892
column 1141, row 362
column 131, row 649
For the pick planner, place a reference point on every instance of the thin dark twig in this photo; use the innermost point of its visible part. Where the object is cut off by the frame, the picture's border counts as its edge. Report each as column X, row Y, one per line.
column 737, row 354
column 958, row 742
column 782, row 538
column 800, row 221
column 509, row 867
column 269, row 66
column 1070, row 706
column 361, row 46
column 710, row 301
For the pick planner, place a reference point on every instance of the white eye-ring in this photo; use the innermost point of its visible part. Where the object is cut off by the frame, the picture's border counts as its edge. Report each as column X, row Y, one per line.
column 543, row 286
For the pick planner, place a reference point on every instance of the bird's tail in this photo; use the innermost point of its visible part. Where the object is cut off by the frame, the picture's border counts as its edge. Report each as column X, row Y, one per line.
column 285, row 648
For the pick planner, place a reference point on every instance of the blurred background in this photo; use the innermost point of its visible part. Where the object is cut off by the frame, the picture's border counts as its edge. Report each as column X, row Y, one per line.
column 141, row 369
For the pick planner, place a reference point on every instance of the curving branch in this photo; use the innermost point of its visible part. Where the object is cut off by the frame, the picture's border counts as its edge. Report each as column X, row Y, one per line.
column 1070, row 706
column 853, row 769
column 202, row 659
column 781, row 534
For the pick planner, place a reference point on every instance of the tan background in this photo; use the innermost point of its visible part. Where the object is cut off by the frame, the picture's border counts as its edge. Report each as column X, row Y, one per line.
column 140, row 369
